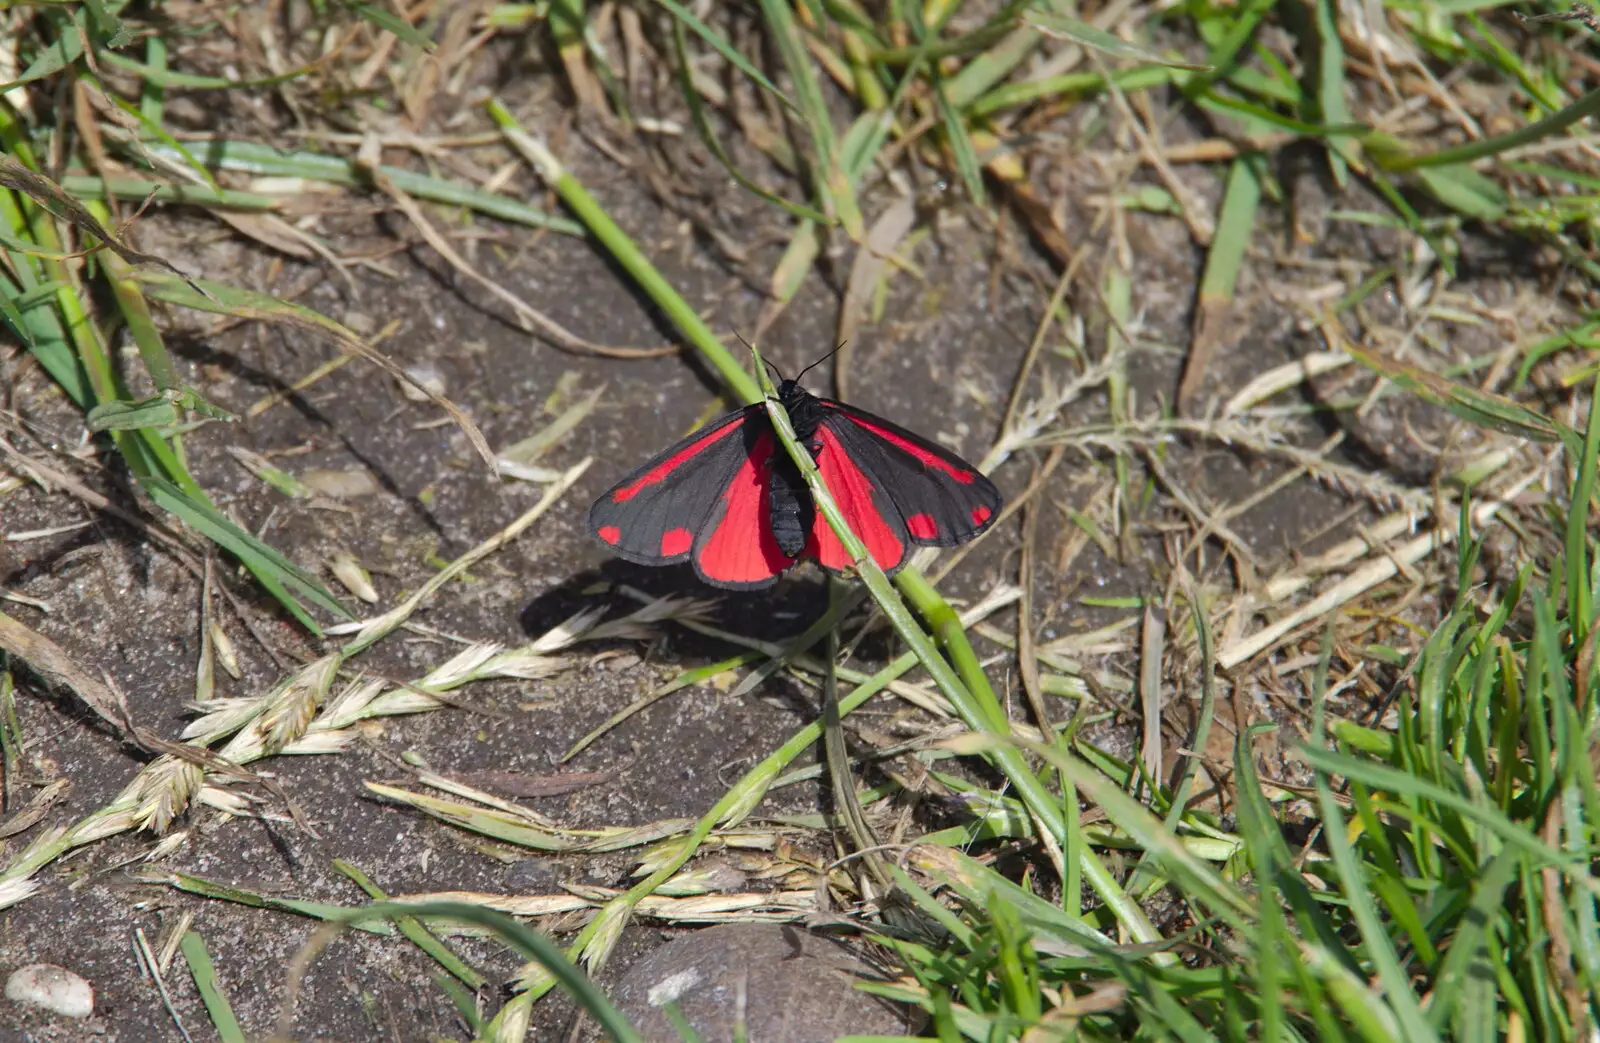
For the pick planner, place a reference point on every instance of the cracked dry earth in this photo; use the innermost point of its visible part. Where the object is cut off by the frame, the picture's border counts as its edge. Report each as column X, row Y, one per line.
column 941, row 361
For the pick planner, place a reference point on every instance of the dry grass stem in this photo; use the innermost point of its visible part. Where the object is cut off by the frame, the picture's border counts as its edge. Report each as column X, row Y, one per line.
column 1381, row 569
column 371, row 630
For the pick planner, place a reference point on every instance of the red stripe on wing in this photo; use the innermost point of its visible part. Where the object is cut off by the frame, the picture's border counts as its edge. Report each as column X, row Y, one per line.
column 853, row 493
column 741, row 550
column 924, row 454
column 659, row 473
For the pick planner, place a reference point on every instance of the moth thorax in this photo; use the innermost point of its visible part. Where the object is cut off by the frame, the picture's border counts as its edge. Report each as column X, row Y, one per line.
column 804, row 409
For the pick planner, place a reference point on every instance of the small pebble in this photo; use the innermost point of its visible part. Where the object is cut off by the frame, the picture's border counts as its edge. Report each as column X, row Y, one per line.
column 53, row 988
column 625, row 661
column 534, row 876
column 340, row 485
column 427, row 374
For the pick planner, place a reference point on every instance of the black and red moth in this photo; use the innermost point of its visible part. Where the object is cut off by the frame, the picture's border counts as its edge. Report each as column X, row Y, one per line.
column 730, row 500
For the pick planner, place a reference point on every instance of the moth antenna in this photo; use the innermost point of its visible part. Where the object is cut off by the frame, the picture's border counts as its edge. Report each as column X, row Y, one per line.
column 814, row 365
column 765, row 361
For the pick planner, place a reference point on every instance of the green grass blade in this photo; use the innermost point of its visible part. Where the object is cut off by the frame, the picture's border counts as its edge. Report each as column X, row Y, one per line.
column 717, row 42
column 1468, row 954
column 1394, row 780
column 933, row 908
column 530, row 943
column 199, row 885
column 628, row 255
column 490, row 822
column 708, row 133
column 414, row 930
column 980, row 76
column 65, row 51
column 1010, row 95
column 1198, row 880
column 1466, row 191
column 1326, row 61
column 159, row 76
column 106, row 24
column 1479, row 407
column 152, row 98
column 137, row 190
column 272, row 568
column 1241, row 200
column 1402, row 159
column 136, row 313
column 463, row 999
column 960, row 140
column 11, row 312
column 828, row 173
column 131, row 416
column 1401, row 1001
column 977, row 883
column 1065, row 27
column 1236, row 218
column 159, row 133
column 1580, row 599
column 218, row 1009
column 252, row 158
column 389, row 22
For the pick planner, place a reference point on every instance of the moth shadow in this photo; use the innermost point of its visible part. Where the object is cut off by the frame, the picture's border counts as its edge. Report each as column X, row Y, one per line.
column 775, row 614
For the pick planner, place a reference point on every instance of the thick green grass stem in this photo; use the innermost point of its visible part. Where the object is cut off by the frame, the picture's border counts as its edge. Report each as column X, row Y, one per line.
column 952, row 639
column 828, row 175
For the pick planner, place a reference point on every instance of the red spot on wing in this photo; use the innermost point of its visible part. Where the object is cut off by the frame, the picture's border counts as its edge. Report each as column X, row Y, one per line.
column 675, row 542
column 853, row 493
column 923, row 453
column 610, row 533
column 660, row 471
column 922, row 526
column 742, row 549
column 980, row 514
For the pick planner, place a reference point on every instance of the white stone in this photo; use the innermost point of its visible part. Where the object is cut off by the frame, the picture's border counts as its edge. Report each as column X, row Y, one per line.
column 428, row 375
column 53, row 988
column 673, row 986
column 340, row 485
